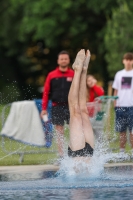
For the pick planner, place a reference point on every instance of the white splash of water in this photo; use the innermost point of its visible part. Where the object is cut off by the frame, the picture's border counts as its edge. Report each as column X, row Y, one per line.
column 95, row 167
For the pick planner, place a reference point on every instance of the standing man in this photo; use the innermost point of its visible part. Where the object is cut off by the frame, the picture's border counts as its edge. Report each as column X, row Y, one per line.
column 123, row 88
column 57, row 87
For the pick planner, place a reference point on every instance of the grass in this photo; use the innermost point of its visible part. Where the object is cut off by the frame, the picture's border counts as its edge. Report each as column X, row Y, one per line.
column 42, row 155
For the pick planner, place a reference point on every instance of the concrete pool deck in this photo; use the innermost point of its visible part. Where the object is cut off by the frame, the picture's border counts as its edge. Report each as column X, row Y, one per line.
column 33, row 168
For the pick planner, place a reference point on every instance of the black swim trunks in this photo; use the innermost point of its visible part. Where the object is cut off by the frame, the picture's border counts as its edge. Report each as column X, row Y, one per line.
column 60, row 115
column 86, row 151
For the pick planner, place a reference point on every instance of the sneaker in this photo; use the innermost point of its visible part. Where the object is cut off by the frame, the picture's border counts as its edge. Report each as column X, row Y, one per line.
column 48, row 144
column 131, row 157
column 123, row 156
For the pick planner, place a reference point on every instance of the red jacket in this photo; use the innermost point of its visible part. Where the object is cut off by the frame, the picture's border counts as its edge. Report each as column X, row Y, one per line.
column 94, row 92
column 57, row 87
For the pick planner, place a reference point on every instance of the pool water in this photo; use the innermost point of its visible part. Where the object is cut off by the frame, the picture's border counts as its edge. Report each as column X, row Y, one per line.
column 93, row 181
column 73, row 180
column 71, row 194
column 58, row 188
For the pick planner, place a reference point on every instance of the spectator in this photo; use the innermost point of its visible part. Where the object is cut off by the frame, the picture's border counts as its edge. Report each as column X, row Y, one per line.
column 93, row 89
column 123, row 88
column 57, row 86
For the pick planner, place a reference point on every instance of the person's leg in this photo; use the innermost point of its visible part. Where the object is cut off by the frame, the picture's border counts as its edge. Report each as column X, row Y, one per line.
column 131, row 142
column 131, row 139
column 123, row 140
column 130, row 125
column 58, row 122
column 60, row 139
column 77, row 139
column 121, row 126
column 87, row 128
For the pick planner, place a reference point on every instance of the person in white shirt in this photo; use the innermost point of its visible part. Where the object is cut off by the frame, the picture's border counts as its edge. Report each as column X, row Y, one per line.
column 123, row 88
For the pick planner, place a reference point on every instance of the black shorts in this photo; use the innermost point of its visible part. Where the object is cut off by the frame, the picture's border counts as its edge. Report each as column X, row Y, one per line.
column 60, row 114
column 86, row 151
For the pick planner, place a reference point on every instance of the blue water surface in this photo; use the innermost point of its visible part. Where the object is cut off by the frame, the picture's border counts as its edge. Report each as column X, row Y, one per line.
column 72, row 194
column 113, row 183
column 74, row 181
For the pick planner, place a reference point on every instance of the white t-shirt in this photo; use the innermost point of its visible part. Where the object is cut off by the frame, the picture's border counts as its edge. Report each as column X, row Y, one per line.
column 123, row 83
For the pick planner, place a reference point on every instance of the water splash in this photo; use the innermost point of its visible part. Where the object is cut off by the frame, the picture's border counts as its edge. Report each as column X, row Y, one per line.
column 80, row 174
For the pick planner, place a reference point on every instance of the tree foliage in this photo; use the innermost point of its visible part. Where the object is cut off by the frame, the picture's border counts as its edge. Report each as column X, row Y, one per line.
column 33, row 32
column 118, row 37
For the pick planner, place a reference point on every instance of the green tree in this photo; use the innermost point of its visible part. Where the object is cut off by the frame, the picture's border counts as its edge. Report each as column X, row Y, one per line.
column 33, row 32
column 118, row 37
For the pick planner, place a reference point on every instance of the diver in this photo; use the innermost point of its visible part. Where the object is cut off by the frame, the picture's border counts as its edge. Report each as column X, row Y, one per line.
column 81, row 140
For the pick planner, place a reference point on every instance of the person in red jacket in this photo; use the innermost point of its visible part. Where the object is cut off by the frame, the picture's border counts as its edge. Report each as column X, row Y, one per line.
column 93, row 89
column 57, row 87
